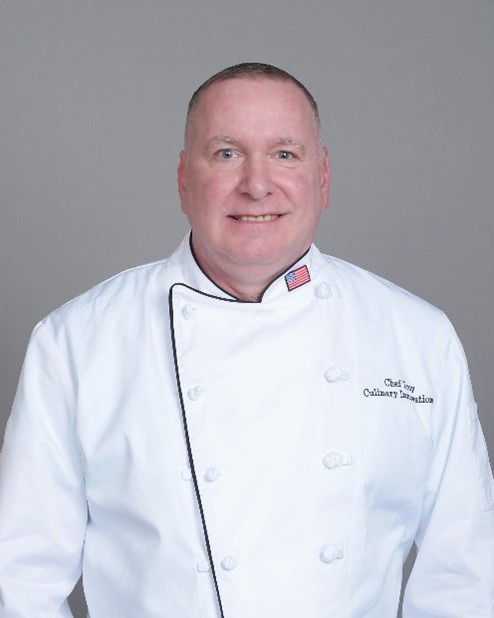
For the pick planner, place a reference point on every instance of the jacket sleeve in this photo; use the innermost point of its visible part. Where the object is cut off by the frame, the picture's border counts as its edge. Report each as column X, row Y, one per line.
column 453, row 575
column 43, row 512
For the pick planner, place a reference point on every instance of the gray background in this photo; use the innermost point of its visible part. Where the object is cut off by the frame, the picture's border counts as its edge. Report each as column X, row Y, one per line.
column 93, row 95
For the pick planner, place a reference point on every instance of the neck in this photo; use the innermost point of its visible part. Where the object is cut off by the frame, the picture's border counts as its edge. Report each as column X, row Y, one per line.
column 244, row 281
column 248, row 285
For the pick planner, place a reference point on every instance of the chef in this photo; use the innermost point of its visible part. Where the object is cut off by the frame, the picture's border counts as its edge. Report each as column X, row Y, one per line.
column 248, row 429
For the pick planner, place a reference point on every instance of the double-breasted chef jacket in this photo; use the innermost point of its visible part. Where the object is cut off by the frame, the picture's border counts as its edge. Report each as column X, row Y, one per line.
column 330, row 426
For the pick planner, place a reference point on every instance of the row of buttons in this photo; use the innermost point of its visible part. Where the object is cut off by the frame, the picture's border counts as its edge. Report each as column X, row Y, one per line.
column 335, row 373
column 333, row 459
column 322, row 290
column 329, row 554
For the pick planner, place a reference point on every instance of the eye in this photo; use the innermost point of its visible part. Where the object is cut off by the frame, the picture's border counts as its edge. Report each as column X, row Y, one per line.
column 284, row 155
column 225, row 153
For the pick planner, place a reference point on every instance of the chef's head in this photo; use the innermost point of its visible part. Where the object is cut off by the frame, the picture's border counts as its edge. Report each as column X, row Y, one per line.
column 253, row 177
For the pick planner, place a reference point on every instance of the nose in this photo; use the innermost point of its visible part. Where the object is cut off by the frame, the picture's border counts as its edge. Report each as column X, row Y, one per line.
column 256, row 180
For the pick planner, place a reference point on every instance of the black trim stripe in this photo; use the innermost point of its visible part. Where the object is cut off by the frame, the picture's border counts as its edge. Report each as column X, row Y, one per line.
column 234, row 298
column 189, row 448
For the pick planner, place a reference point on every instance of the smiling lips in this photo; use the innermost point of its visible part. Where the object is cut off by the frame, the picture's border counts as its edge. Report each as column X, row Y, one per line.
column 259, row 218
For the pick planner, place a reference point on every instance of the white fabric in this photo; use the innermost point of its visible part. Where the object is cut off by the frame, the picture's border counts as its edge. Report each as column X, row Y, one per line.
column 331, row 426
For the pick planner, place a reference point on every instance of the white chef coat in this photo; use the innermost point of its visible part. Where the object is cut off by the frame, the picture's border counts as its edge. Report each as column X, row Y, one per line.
column 330, row 427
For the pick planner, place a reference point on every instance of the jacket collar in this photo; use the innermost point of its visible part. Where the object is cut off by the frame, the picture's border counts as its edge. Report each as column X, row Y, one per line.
column 298, row 279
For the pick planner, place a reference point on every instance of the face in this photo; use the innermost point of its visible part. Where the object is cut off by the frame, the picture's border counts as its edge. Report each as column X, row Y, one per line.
column 253, row 179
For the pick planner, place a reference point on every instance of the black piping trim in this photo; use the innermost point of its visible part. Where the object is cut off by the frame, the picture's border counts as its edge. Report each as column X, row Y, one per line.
column 234, row 298
column 189, row 449
column 208, row 295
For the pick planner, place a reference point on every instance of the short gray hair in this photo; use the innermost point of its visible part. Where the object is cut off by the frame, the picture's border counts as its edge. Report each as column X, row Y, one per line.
column 254, row 70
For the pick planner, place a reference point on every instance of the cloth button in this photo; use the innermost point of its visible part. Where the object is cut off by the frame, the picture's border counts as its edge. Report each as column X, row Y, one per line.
column 187, row 474
column 188, row 312
column 335, row 373
column 323, row 290
column 195, row 392
column 332, row 460
column 212, row 474
column 229, row 563
column 330, row 554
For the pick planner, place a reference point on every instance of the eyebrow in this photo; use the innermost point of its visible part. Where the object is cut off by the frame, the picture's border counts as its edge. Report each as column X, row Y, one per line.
column 223, row 139
column 288, row 141
column 231, row 141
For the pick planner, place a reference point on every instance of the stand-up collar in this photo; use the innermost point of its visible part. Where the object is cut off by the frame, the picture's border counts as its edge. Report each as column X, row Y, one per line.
column 298, row 277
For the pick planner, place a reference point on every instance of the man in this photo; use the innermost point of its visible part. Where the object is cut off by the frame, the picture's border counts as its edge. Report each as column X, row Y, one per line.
column 249, row 428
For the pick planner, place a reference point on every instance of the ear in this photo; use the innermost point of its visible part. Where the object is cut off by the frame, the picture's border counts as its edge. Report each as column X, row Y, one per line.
column 181, row 178
column 325, row 178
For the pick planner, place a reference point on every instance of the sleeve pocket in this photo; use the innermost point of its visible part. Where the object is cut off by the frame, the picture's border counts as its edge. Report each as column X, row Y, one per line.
column 483, row 473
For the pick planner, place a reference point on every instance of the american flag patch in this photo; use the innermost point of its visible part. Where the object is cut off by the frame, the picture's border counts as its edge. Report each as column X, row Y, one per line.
column 296, row 278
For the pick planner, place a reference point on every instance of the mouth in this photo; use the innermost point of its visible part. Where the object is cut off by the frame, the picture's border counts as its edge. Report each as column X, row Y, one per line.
column 256, row 219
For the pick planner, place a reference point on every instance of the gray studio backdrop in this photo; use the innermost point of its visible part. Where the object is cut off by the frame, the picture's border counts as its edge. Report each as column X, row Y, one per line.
column 93, row 94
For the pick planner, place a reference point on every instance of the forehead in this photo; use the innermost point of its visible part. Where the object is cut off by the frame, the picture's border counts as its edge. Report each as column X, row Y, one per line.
column 255, row 104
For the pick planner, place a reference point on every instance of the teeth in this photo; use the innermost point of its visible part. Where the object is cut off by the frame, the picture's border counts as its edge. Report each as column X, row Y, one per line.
column 259, row 218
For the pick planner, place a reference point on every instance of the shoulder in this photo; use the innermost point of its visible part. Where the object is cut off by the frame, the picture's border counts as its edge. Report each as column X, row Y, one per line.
column 132, row 292
column 121, row 290
column 387, row 317
column 381, row 307
column 373, row 292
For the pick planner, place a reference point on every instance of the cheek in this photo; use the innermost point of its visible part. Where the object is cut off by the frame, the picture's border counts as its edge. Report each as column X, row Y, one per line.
column 214, row 192
column 208, row 205
column 305, row 191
